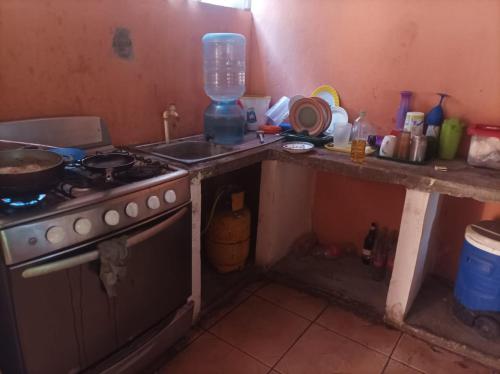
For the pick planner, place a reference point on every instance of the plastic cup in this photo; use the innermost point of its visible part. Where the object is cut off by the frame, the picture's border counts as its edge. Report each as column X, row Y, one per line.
column 255, row 108
column 341, row 134
column 278, row 112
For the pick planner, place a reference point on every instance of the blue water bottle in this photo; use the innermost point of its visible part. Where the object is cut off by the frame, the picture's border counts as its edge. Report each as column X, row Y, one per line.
column 224, row 76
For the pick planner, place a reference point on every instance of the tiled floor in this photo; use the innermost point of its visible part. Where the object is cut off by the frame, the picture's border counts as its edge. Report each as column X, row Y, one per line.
column 276, row 329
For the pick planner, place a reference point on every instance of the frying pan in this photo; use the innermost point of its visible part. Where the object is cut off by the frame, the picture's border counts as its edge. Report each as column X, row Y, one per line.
column 109, row 163
column 50, row 167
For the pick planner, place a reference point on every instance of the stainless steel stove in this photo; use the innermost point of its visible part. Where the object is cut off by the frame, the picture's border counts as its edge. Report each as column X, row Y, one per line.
column 56, row 243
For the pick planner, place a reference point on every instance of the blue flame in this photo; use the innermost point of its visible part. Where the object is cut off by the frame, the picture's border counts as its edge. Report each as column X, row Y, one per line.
column 21, row 203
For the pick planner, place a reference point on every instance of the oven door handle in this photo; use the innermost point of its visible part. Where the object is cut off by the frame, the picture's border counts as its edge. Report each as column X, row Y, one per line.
column 71, row 262
column 143, row 235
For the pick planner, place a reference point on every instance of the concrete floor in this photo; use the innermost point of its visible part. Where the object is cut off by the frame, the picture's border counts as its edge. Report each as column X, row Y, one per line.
column 346, row 279
column 432, row 311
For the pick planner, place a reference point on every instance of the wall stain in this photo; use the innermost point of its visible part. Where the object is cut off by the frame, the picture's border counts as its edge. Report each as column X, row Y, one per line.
column 122, row 43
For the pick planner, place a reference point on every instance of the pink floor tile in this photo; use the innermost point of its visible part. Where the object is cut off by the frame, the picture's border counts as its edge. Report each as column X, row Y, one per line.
column 261, row 329
column 295, row 301
column 321, row 351
column 375, row 336
column 394, row 367
column 213, row 317
column 210, row 355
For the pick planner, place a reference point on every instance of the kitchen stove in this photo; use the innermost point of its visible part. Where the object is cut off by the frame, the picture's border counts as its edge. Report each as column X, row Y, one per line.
column 81, row 187
column 56, row 244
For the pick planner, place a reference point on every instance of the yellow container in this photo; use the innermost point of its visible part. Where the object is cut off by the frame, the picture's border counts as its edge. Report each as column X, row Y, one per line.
column 228, row 240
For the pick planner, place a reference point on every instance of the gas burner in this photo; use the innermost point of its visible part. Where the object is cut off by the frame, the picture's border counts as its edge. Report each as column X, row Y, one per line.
column 139, row 172
column 24, row 201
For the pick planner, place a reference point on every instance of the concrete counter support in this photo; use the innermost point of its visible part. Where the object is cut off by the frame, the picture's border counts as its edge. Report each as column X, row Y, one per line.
column 411, row 255
column 285, row 208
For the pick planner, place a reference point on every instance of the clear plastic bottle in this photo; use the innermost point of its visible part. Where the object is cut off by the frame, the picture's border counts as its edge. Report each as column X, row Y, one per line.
column 359, row 136
column 224, row 122
column 224, row 66
column 224, row 76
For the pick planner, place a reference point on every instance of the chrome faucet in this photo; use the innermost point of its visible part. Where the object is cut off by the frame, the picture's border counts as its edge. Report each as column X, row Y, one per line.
column 170, row 119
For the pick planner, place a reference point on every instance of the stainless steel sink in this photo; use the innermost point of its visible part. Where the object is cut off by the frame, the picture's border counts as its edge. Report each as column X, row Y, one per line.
column 190, row 151
column 195, row 149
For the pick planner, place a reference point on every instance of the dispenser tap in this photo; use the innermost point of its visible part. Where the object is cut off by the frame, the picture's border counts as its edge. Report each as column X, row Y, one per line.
column 170, row 118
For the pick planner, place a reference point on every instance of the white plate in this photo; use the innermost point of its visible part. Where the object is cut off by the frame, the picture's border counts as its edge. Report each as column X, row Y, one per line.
column 339, row 114
column 298, row 147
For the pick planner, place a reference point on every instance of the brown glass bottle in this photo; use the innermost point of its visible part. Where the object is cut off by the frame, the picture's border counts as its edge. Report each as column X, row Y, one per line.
column 369, row 244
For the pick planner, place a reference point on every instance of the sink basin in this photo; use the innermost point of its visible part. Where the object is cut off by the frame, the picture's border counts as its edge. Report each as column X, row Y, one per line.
column 190, row 151
column 196, row 149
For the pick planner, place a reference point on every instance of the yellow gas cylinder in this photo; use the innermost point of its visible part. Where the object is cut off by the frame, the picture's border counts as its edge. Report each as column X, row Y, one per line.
column 228, row 237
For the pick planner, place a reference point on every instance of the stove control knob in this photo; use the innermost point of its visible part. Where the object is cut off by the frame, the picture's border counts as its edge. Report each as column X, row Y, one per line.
column 55, row 234
column 153, row 202
column 112, row 217
column 132, row 210
column 82, row 226
column 170, row 196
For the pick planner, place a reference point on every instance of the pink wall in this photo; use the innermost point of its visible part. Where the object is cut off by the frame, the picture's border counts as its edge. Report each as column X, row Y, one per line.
column 336, row 221
column 369, row 51
column 56, row 59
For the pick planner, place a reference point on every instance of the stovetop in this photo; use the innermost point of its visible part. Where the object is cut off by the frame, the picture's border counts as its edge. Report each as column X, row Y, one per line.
column 80, row 185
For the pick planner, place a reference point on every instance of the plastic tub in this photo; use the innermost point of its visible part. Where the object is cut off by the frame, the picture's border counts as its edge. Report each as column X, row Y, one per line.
column 484, row 150
column 478, row 282
column 255, row 109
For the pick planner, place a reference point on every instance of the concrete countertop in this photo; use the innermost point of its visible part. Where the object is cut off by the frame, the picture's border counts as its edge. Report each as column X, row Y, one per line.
column 461, row 180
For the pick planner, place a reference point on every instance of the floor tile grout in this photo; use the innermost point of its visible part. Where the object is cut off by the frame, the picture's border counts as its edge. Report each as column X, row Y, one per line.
column 231, row 309
column 300, row 336
column 392, row 351
column 288, row 310
column 207, row 330
column 353, row 340
column 237, row 348
column 314, row 321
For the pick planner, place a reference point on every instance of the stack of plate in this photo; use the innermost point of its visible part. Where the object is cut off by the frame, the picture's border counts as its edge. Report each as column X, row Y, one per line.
column 310, row 115
column 317, row 114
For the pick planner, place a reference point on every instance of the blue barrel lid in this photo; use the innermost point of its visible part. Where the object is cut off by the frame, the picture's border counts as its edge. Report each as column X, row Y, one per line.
column 485, row 235
column 223, row 37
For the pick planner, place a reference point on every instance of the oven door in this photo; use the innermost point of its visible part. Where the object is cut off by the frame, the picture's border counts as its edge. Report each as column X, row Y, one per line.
column 65, row 319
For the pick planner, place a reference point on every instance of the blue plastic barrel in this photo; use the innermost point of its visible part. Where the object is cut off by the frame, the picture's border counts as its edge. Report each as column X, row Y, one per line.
column 478, row 282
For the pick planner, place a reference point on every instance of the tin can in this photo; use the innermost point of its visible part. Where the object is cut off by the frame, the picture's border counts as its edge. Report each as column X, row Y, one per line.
column 414, row 123
column 418, row 148
column 403, row 146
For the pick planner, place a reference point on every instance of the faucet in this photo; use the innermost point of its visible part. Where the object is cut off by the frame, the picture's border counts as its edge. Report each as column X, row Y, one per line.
column 170, row 118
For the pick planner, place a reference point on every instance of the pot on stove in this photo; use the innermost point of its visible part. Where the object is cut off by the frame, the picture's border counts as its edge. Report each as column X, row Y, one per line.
column 109, row 163
column 25, row 171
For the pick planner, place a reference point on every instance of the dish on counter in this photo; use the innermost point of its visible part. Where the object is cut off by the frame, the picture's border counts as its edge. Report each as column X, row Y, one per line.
column 339, row 114
column 308, row 115
column 298, row 147
column 327, row 93
column 327, row 111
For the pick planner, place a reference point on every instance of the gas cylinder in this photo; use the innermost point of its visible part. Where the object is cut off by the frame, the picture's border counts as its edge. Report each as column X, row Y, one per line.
column 228, row 237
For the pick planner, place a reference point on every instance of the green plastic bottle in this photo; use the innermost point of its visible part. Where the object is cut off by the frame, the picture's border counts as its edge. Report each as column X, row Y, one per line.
column 451, row 133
